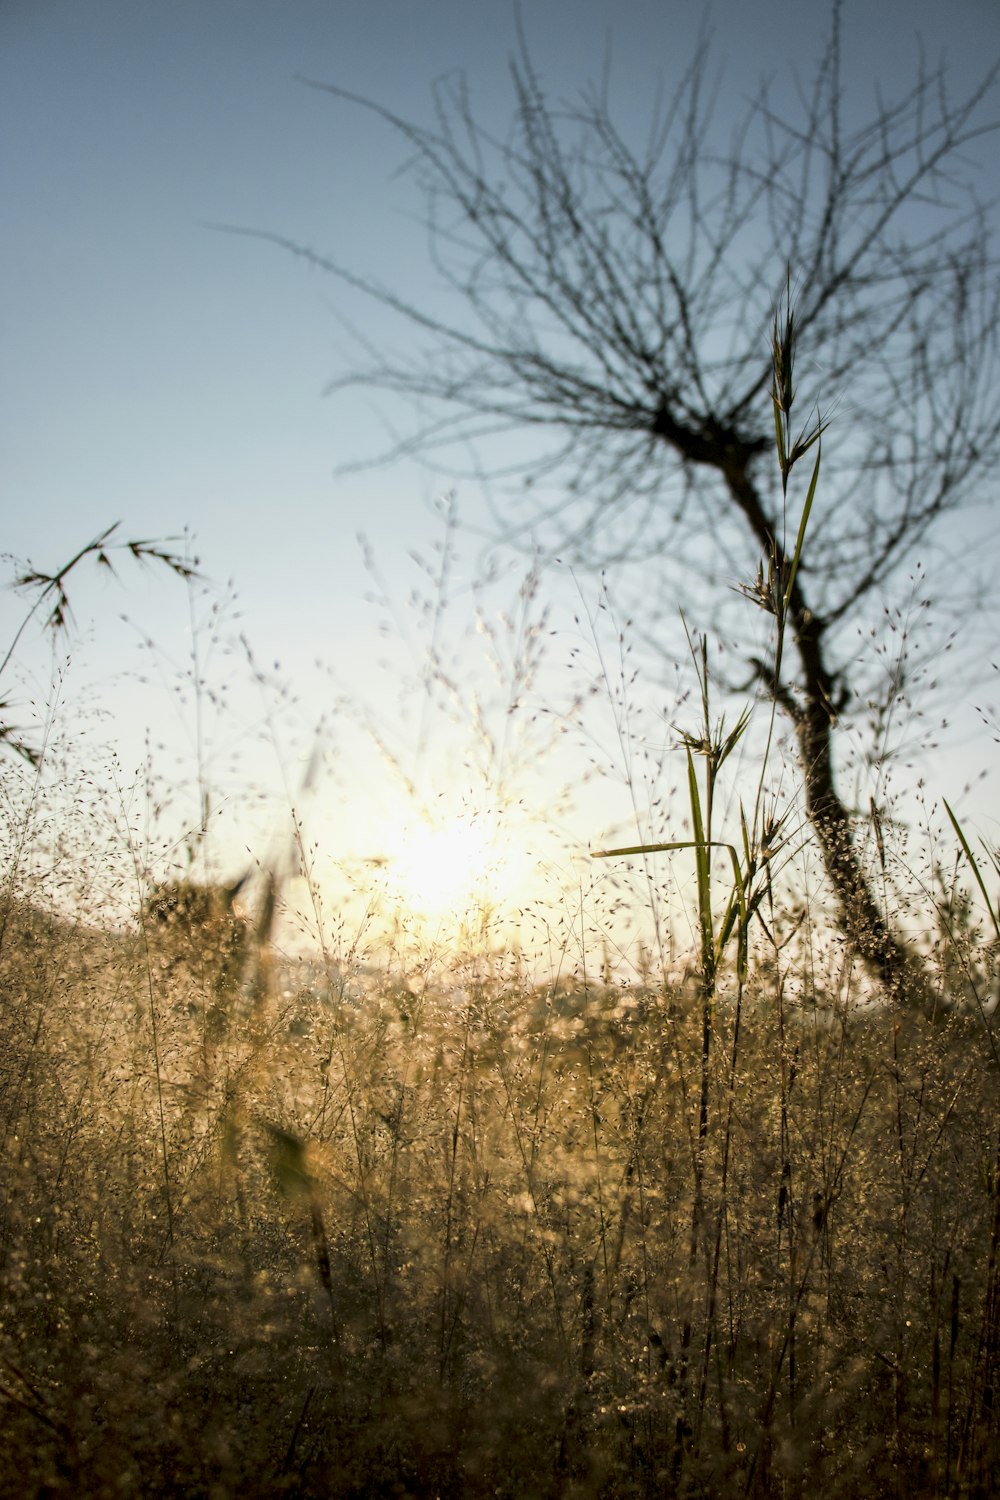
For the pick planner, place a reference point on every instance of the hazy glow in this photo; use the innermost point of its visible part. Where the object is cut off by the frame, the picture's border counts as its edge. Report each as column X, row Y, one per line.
column 454, row 869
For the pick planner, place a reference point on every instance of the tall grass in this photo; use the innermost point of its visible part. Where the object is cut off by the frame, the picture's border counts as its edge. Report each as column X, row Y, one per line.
column 333, row 1228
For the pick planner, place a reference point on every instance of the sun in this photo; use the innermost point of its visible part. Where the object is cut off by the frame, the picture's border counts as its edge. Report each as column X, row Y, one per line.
column 456, row 868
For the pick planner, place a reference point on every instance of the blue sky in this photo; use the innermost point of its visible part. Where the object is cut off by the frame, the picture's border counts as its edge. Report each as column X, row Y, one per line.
column 157, row 372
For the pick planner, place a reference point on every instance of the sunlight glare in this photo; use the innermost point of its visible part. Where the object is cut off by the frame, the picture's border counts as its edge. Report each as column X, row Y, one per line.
column 454, row 869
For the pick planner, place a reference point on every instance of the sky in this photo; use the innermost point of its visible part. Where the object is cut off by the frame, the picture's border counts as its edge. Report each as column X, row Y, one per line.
column 158, row 372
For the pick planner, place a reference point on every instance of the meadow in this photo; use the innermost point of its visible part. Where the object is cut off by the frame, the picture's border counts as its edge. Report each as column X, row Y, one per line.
column 366, row 1236
column 347, row 1225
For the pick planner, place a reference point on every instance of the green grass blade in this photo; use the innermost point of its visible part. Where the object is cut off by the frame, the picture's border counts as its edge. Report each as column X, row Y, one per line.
column 800, row 539
column 703, row 864
column 974, row 865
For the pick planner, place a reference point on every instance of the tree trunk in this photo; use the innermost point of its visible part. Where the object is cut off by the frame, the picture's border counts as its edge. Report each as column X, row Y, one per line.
column 814, row 710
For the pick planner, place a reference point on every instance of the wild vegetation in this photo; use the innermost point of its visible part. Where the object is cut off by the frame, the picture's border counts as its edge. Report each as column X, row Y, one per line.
column 343, row 1229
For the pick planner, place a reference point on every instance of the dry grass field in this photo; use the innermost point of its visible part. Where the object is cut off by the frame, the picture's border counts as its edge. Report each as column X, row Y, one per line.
column 366, row 1238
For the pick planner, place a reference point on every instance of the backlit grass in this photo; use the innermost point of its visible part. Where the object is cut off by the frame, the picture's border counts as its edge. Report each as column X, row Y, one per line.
column 353, row 1224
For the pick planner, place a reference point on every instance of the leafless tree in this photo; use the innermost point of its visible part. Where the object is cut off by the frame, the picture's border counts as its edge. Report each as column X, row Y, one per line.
column 618, row 299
